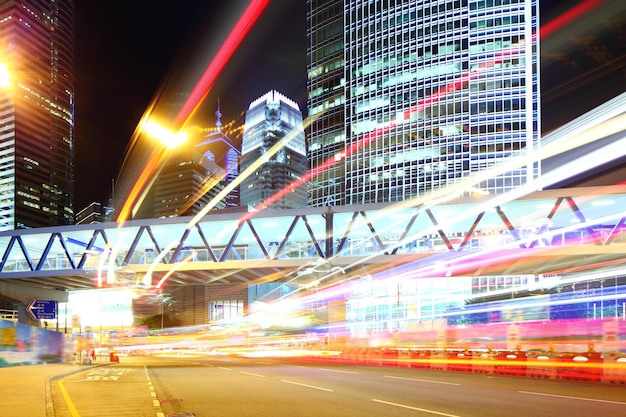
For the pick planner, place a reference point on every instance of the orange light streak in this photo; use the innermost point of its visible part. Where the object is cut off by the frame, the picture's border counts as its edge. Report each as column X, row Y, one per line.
column 158, row 155
column 200, row 91
column 171, row 271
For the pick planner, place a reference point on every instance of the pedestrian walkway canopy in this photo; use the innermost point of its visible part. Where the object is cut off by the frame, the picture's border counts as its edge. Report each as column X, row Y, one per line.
column 546, row 232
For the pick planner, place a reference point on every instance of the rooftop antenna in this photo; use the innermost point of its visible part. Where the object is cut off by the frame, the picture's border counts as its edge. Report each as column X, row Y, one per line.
column 218, row 124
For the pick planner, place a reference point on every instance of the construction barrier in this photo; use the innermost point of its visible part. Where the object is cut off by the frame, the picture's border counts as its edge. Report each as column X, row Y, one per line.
column 614, row 368
column 541, row 365
column 439, row 360
column 586, row 366
column 510, row 363
column 460, row 361
column 483, row 362
column 389, row 357
column 420, row 359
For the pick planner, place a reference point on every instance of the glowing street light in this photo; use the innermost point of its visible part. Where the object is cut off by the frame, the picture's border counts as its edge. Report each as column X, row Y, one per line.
column 169, row 140
column 167, row 137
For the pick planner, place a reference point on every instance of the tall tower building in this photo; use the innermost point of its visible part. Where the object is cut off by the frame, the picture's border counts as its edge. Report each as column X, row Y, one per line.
column 193, row 177
column 270, row 120
column 410, row 98
column 37, row 113
column 187, row 183
column 219, row 142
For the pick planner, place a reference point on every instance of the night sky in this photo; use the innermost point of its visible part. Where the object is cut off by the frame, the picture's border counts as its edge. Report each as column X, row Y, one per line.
column 124, row 55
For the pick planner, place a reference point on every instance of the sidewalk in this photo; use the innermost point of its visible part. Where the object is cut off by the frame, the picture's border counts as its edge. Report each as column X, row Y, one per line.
column 25, row 389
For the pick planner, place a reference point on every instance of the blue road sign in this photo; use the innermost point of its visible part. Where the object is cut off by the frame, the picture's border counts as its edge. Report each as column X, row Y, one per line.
column 43, row 309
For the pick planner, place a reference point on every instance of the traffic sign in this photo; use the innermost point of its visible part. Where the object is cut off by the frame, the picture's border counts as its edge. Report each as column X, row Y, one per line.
column 42, row 309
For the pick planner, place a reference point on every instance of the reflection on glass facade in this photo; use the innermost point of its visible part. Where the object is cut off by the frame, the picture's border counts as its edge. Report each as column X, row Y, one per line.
column 273, row 122
column 410, row 98
column 384, row 306
column 37, row 114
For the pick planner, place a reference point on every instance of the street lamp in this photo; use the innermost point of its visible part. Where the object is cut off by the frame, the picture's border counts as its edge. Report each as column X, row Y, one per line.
column 169, row 139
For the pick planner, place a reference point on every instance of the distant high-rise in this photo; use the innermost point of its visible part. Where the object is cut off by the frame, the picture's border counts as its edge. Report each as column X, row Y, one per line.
column 408, row 98
column 271, row 119
column 193, row 177
column 219, row 142
column 37, row 114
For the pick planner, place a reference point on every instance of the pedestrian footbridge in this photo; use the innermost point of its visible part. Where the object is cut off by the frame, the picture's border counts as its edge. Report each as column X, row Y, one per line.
column 461, row 232
column 566, row 231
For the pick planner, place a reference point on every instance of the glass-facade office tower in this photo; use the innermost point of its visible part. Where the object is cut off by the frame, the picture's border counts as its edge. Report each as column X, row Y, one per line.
column 412, row 98
column 273, row 122
column 37, row 114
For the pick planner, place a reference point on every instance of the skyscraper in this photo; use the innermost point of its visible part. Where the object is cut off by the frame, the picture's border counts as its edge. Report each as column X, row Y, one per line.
column 37, row 114
column 193, row 177
column 219, row 142
column 409, row 98
column 273, row 122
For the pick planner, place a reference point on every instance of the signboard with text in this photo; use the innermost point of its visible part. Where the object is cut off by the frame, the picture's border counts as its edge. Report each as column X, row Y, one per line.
column 43, row 309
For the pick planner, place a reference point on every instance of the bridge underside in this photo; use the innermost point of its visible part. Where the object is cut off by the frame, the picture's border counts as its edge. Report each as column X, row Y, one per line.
column 506, row 262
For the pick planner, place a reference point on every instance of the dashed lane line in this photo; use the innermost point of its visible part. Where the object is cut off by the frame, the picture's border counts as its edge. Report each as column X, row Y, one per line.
column 415, row 408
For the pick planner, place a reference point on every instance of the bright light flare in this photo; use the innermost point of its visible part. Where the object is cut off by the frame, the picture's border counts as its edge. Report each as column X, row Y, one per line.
column 167, row 137
column 199, row 92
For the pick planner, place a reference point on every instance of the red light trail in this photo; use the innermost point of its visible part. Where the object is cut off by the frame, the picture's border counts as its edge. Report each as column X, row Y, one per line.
column 200, row 91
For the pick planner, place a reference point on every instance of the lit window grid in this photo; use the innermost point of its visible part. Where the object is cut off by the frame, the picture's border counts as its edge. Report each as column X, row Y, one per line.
column 357, row 161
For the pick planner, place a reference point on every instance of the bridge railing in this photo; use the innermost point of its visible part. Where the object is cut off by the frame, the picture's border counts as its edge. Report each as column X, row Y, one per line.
column 10, row 315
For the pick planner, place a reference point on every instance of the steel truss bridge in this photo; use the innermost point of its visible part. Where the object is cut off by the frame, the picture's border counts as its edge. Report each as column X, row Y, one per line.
column 567, row 231
column 524, row 232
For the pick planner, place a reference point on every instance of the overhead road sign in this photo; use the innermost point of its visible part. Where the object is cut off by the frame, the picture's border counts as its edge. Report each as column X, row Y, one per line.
column 42, row 309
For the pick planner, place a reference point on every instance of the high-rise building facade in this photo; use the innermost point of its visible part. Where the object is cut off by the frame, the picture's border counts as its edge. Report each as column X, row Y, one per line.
column 411, row 98
column 273, row 122
column 37, row 114
column 221, row 143
column 187, row 183
column 193, row 177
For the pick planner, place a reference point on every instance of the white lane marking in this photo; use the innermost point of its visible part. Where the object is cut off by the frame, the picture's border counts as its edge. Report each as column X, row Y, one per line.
column 155, row 401
column 430, row 381
column 572, row 398
column 306, row 385
column 250, row 373
column 226, row 369
column 415, row 408
column 337, row 370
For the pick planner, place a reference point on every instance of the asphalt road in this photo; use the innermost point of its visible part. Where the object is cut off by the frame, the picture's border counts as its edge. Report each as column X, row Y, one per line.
column 187, row 386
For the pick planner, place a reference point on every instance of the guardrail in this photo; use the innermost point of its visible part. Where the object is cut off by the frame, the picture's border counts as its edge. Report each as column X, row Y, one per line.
column 609, row 367
column 10, row 315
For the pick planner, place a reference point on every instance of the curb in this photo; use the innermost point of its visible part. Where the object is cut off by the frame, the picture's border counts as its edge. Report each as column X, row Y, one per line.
column 49, row 400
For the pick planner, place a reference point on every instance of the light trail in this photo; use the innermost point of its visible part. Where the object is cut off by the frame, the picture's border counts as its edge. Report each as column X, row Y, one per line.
column 244, row 25
column 191, row 105
column 173, row 269
column 230, row 45
column 569, row 16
